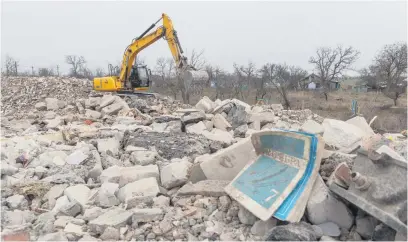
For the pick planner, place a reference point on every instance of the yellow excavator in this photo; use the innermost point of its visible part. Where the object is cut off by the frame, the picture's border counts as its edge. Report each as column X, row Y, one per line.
column 135, row 79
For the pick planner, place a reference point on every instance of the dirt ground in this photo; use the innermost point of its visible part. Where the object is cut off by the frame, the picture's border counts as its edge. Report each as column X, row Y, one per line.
column 390, row 118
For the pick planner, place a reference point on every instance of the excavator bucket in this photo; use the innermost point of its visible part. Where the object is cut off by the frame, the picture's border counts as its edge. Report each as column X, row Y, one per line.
column 191, row 77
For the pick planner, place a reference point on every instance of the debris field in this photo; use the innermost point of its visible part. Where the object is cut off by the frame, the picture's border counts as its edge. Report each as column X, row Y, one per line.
column 84, row 166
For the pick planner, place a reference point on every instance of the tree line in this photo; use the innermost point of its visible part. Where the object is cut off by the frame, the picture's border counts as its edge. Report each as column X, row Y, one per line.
column 387, row 72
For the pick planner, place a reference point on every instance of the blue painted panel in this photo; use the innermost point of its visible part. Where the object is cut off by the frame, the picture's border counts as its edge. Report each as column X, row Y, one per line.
column 287, row 206
column 287, row 145
column 265, row 180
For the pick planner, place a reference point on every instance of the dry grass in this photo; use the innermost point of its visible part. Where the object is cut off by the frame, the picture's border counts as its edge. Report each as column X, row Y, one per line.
column 338, row 106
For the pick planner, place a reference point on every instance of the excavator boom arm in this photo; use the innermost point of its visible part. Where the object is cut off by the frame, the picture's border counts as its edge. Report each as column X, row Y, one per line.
column 142, row 42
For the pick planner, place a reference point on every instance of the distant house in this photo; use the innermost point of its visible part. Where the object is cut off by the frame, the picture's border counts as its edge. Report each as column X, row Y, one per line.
column 334, row 85
column 354, row 84
column 311, row 81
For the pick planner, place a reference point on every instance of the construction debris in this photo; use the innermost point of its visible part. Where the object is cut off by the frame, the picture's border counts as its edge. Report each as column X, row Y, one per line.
column 77, row 165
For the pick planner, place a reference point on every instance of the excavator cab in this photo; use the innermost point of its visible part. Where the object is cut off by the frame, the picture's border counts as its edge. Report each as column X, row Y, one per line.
column 139, row 78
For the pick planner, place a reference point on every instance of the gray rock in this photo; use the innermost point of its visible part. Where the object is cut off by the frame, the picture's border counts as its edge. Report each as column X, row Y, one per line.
column 161, row 202
column 110, row 234
column 383, row 233
column 263, row 118
column 57, row 236
column 197, row 128
column 52, row 103
column 323, row 207
column 260, row 228
column 76, row 157
column 106, row 100
column 240, row 131
column 7, row 169
column 174, row 174
column 330, row 229
column 78, row 193
column 312, row 127
column 44, row 223
column 146, row 187
column 225, row 203
column 17, row 202
column 365, row 226
column 292, row 232
column 113, row 109
column 146, row 215
column 193, row 117
column 211, row 188
column 115, row 217
column 92, row 213
column 17, row 217
column 50, row 115
column 327, row 238
column 143, row 157
column 41, row 106
column 110, row 144
column 246, row 217
column 92, row 114
column 74, row 230
column 221, row 123
column 72, row 208
column 126, row 175
column 107, row 195
column 238, row 116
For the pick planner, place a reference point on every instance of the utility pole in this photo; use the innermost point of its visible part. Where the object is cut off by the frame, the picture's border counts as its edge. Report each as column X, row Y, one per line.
column 32, row 70
column 15, row 67
column 57, row 70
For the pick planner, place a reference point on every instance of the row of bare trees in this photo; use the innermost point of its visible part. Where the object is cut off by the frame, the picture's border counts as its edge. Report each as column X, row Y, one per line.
column 388, row 72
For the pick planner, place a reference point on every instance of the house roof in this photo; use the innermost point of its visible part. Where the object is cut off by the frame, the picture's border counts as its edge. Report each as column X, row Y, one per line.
column 311, row 75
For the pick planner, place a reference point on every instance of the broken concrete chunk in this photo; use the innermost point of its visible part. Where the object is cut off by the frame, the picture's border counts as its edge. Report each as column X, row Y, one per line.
column 57, row 236
column 246, row 217
column 263, row 117
column 146, row 187
column 313, row 127
column 193, row 117
column 110, row 234
column 106, row 100
column 116, row 218
column 174, row 174
column 143, row 157
column 341, row 134
column 52, row 103
column 293, row 232
column 76, row 158
column 221, row 123
column 324, row 207
column 107, row 195
column 197, row 128
column 211, row 188
column 362, row 124
column 219, row 135
column 92, row 114
column 365, row 226
column 205, row 104
column 260, row 228
column 41, row 106
column 78, row 193
column 17, row 202
column 330, row 229
column 125, row 175
column 146, row 215
column 112, row 109
column 110, row 144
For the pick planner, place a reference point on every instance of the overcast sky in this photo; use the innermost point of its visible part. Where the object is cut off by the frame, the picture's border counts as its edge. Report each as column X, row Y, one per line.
column 42, row 33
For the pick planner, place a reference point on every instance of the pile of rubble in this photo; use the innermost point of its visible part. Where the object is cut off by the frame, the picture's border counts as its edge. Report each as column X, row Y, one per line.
column 81, row 167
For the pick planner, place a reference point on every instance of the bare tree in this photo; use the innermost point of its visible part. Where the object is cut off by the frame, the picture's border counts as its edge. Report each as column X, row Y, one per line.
column 45, row 72
column 197, row 60
column 99, row 72
column 77, row 64
column 165, row 70
column 331, row 63
column 283, row 78
column 11, row 66
column 389, row 69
